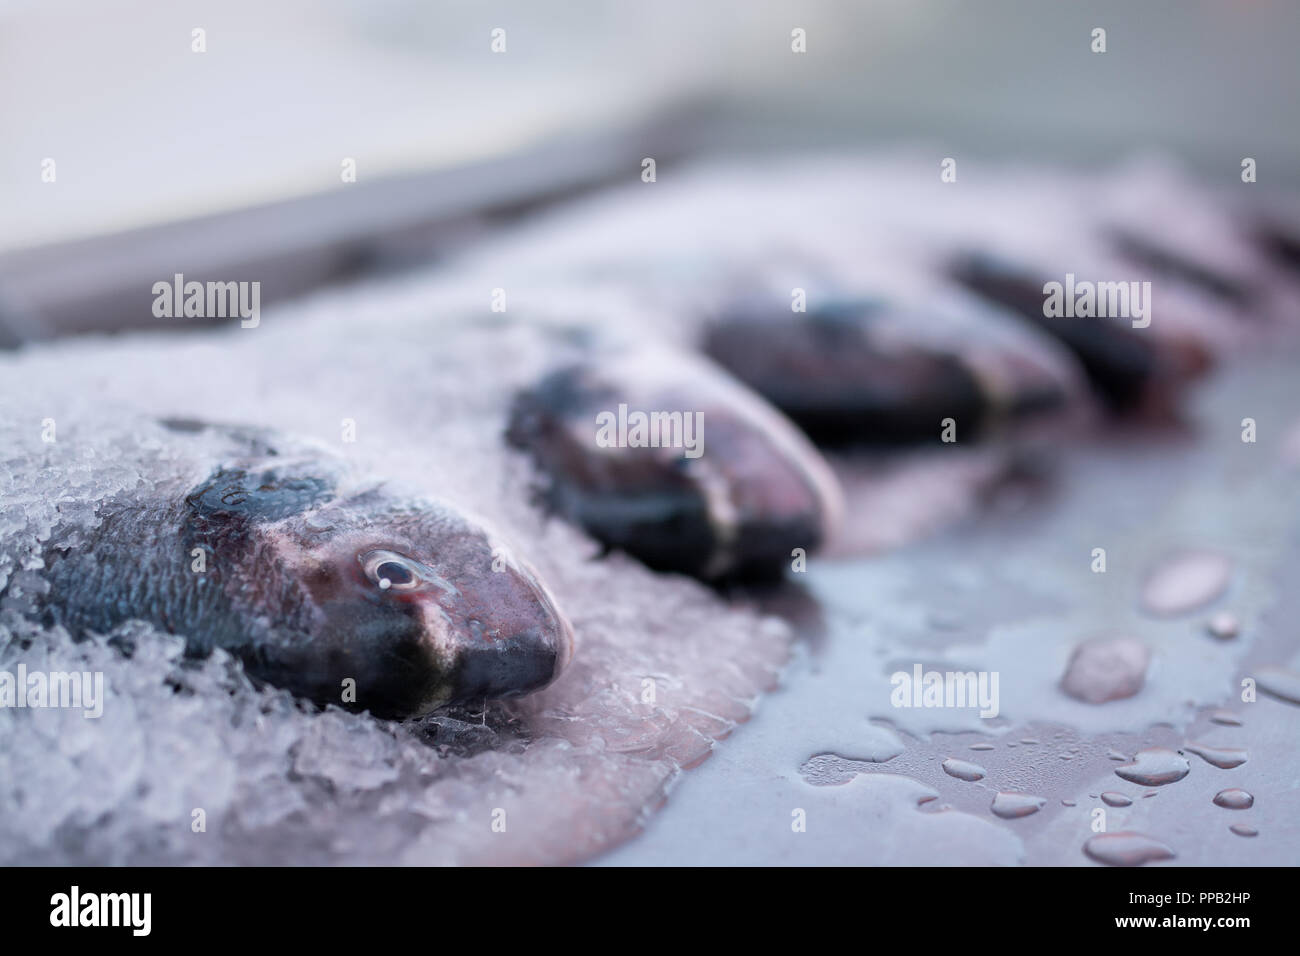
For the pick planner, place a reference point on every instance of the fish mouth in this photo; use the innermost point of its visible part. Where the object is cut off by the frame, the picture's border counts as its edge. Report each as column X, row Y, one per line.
column 501, row 637
column 521, row 664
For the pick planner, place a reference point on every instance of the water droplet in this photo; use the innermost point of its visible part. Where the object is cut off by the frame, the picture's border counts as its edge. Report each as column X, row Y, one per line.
column 1106, row 669
column 1279, row 682
column 1225, row 717
column 1186, row 581
column 1029, row 741
column 1225, row 758
column 1154, row 767
column 1242, row 829
column 1224, row 626
column 1113, row 799
column 1150, row 793
column 981, row 746
column 963, row 770
column 1116, row 755
column 1126, row 848
column 1011, row 806
column 1068, row 803
column 830, row 770
column 1234, row 799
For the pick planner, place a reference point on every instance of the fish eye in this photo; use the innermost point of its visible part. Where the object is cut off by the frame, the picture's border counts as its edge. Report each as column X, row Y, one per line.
column 390, row 571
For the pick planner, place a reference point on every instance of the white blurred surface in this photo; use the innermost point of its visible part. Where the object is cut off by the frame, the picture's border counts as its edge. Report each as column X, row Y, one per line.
column 144, row 130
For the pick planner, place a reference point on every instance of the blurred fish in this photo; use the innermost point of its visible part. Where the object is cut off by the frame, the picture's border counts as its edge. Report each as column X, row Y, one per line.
column 860, row 370
column 1177, row 264
column 1131, row 369
column 733, row 497
column 312, row 582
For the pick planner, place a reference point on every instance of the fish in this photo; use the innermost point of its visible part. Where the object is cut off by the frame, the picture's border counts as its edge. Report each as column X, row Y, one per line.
column 856, row 369
column 734, row 498
column 662, row 666
column 1182, row 267
column 1191, row 281
column 340, row 590
column 1129, row 371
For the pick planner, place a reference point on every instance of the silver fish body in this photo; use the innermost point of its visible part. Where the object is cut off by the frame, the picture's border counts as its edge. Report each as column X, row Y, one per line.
column 341, row 593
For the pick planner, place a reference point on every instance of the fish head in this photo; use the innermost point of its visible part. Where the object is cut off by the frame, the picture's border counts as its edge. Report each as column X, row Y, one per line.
column 423, row 606
column 407, row 603
column 621, row 438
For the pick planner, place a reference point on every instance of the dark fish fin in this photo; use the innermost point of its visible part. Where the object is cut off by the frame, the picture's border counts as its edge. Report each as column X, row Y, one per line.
column 257, row 495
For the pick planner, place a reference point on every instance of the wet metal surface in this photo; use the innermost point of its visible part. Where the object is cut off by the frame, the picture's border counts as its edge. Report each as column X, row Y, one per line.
column 1013, row 591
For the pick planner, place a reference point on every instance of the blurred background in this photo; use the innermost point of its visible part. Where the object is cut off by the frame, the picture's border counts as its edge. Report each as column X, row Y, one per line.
column 127, row 154
column 145, row 131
